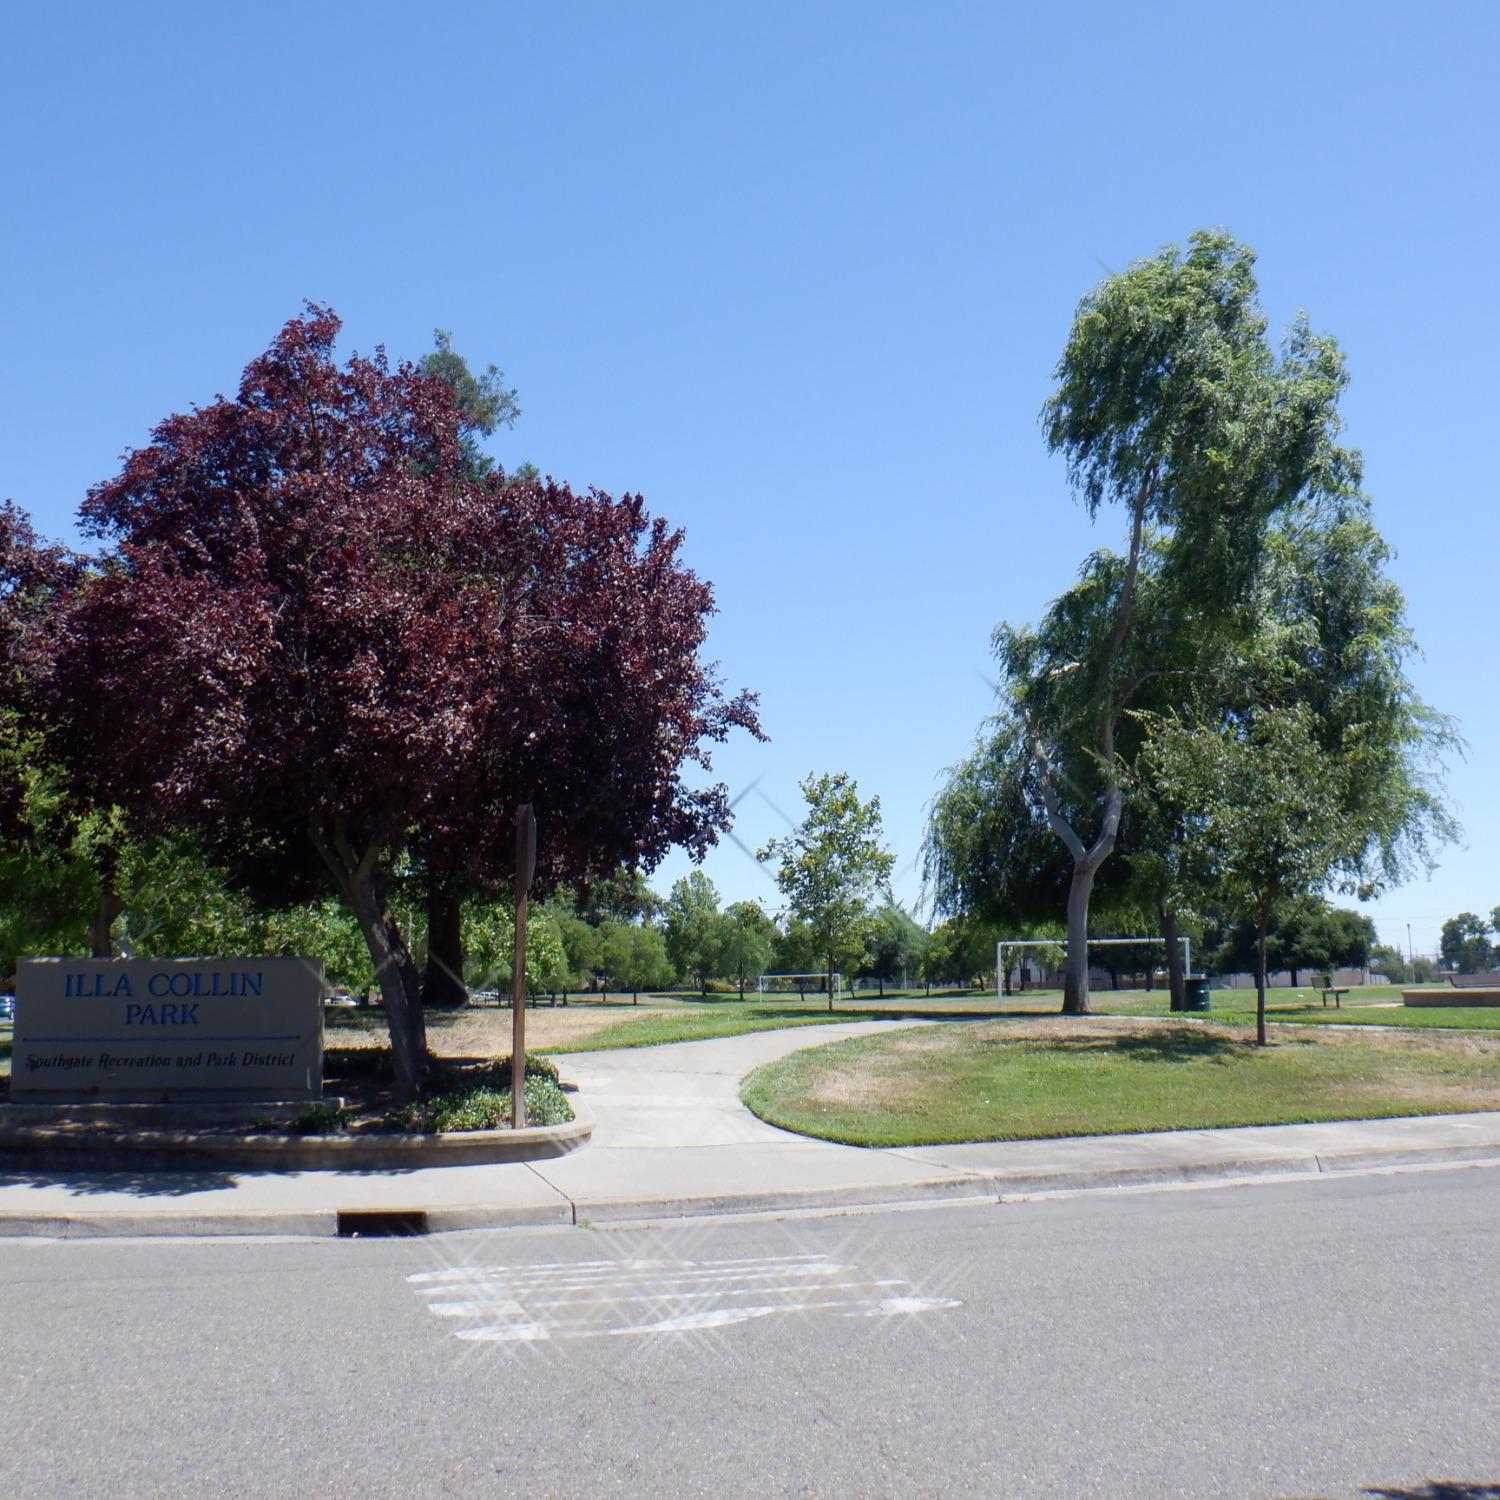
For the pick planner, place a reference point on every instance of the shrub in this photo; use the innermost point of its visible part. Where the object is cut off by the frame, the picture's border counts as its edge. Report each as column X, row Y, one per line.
column 481, row 1106
column 536, row 1067
column 321, row 1119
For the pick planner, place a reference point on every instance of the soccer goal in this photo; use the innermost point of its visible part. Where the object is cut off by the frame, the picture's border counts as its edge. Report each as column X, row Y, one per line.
column 1000, row 949
column 784, row 984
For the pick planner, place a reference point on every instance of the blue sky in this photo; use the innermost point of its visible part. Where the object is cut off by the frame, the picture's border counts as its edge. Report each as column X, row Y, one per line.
column 797, row 273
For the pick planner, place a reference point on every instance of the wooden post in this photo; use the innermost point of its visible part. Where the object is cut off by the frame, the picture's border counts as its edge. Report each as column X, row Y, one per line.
column 525, row 864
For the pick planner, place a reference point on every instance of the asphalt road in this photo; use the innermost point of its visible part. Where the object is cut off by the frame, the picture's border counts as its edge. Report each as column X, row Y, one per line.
column 1321, row 1338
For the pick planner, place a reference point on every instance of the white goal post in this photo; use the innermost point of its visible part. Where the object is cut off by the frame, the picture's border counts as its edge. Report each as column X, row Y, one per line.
column 1187, row 951
column 817, row 983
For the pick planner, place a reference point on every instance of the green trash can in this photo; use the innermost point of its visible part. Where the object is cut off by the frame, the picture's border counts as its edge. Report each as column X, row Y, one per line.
column 1195, row 992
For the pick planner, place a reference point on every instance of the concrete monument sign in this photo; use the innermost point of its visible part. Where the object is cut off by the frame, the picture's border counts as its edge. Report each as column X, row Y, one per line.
column 168, row 1028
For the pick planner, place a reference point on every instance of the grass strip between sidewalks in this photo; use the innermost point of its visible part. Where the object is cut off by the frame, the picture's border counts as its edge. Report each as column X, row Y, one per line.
column 1027, row 1080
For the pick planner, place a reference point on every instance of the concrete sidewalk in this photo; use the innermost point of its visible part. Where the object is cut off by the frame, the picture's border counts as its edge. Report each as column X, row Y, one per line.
column 671, row 1139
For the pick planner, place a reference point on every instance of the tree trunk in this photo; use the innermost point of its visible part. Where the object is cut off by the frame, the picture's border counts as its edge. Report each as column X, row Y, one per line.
column 359, row 879
column 396, row 976
column 1176, row 978
column 1260, row 984
column 1292, row 973
column 443, row 984
column 101, row 925
column 1076, row 976
column 1087, row 859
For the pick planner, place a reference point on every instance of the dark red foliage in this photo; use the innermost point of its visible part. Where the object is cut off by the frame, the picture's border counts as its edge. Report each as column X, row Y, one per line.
column 318, row 624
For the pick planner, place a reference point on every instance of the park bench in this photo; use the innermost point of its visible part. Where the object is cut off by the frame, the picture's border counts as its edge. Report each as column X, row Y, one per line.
column 533, row 999
column 1326, row 987
column 503, row 998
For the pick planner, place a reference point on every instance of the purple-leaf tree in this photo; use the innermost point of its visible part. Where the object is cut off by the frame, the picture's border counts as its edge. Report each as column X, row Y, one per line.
column 322, row 638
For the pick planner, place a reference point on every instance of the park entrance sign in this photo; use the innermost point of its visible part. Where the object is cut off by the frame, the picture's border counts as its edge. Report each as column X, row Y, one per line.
column 168, row 1029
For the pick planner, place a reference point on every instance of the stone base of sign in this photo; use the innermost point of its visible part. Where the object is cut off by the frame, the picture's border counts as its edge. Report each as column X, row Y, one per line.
column 208, row 1114
column 99, row 1146
column 1451, row 999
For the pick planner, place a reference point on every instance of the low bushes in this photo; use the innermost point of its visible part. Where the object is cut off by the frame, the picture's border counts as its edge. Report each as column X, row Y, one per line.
column 482, row 1106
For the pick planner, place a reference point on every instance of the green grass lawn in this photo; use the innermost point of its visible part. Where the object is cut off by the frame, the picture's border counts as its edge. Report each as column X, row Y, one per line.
column 1020, row 1080
column 1364, row 1005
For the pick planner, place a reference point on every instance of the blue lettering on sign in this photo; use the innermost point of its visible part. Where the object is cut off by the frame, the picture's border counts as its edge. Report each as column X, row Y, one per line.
column 161, row 1015
column 179, row 985
column 95, row 986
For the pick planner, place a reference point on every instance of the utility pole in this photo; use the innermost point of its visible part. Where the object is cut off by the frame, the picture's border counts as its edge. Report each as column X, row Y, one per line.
column 1411, row 956
column 525, row 868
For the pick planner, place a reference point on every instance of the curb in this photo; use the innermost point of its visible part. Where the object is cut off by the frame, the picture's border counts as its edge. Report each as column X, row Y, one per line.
column 993, row 1187
column 954, row 1187
column 54, row 1149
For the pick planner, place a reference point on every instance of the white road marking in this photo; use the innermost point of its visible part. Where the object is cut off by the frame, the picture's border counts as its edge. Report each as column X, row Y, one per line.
column 611, row 1299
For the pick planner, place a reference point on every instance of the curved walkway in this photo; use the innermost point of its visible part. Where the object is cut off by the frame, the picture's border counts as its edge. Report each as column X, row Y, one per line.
column 671, row 1138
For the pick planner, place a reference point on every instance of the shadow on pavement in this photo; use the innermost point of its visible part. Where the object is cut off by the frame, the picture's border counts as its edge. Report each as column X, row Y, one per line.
column 143, row 1181
column 138, row 1181
column 1441, row 1489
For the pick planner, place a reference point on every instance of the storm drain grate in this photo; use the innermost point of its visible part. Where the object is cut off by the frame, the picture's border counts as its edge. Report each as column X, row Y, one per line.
column 381, row 1221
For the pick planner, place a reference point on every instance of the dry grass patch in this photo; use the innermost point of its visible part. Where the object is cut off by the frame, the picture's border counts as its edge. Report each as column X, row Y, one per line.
column 486, row 1032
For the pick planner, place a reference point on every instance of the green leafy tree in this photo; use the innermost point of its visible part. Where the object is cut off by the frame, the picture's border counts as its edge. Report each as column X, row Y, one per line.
column 581, row 940
column 1171, row 404
column 636, row 958
column 691, row 926
column 795, row 948
column 897, row 944
column 943, row 962
column 958, row 950
column 1266, row 806
column 1306, row 932
column 483, row 401
column 1327, row 631
column 1390, row 962
column 623, row 896
column 1465, row 943
column 831, row 867
column 744, row 942
column 490, row 946
column 990, row 853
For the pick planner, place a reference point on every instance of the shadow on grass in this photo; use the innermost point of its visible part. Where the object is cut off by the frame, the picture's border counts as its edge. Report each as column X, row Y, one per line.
column 1157, row 1046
